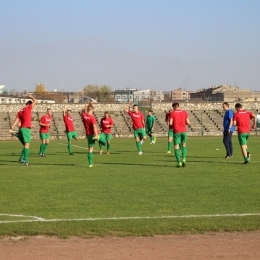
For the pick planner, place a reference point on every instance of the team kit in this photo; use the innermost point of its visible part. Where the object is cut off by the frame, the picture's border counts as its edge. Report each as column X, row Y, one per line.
column 176, row 119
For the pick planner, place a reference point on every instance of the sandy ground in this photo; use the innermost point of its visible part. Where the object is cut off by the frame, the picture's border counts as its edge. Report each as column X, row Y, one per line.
column 207, row 246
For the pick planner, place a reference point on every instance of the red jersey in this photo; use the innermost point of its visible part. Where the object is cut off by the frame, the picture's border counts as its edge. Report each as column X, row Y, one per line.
column 19, row 115
column 89, row 121
column 242, row 119
column 179, row 121
column 137, row 119
column 25, row 116
column 45, row 119
column 104, row 122
column 68, row 123
column 167, row 119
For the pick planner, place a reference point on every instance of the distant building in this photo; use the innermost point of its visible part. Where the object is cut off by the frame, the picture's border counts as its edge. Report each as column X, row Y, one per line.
column 22, row 100
column 124, row 95
column 137, row 95
column 3, row 90
column 180, row 94
column 224, row 93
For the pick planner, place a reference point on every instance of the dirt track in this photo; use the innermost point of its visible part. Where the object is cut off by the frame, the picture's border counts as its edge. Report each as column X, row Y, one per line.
column 208, row 246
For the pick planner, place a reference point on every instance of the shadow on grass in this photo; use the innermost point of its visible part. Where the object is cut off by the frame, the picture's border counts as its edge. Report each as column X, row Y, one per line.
column 138, row 164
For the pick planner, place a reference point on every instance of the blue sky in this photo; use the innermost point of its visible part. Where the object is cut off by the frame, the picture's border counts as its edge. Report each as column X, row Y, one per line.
column 152, row 44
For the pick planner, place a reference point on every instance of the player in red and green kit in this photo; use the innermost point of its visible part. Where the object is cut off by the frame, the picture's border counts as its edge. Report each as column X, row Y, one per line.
column 150, row 123
column 242, row 121
column 45, row 123
column 170, row 132
column 24, row 116
column 70, row 131
column 178, row 120
column 15, row 133
column 138, row 125
column 90, row 124
column 106, row 124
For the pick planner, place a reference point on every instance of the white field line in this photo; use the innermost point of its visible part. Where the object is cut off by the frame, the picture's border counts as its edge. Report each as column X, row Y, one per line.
column 75, row 146
column 38, row 219
column 22, row 216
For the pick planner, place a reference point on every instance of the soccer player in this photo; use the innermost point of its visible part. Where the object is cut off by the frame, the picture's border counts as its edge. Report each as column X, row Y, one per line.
column 150, row 123
column 90, row 125
column 45, row 124
column 18, row 124
column 228, row 130
column 106, row 124
column 178, row 120
column 70, row 131
column 24, row 116
column 170, row 131
column 138, row 125
column 242, row 121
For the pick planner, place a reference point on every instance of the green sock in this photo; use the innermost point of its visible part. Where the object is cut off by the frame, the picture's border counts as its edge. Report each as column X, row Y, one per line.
column 100, row 146
column 151, row 138
column 44, row 148
column 184, row 152
column 177, row 155
column 90, row 157
column 246, row 159
column 22, row 155
column 138, row 145
column 41, row 148
column 69, row 148
column 170, row 146
column 108, row 147
column 247, row 150
column 26, row 154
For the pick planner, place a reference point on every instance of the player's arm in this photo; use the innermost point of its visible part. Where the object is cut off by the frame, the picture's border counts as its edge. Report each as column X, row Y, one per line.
column 167, row 121
column 127, row 108
column 143, row 122
column 171, row 121
column 42, row 124
column 230, row 124
column 95, row 130
column 65, row 109
column 16, row 122
column 153, row 123
column 254, row 121
column 187, row 121
column 84, row 108
column 111, row 123
column 34, row 100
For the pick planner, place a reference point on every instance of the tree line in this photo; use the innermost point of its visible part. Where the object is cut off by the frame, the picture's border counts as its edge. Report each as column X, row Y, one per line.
column 100, row 93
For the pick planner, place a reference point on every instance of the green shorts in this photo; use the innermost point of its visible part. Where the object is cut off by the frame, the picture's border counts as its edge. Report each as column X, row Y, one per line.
column 71, row 135
column 108, row 137
column 170, row 133
column 242, row 138
column 44, row 136
column 140, row 132
column 26, row 134
column 91, row 142
column 149, row 130
column 180, row 138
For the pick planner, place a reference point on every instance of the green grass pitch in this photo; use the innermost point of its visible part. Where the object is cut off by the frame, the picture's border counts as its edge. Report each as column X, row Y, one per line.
column 80, row 201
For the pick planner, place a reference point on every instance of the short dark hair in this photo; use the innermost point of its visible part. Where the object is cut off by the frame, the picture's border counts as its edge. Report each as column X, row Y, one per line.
column 69, row 110
column 28, row 102
column 48, row 109
column 175, row 105
column 150, row 110
column 226, row 103
column 135, row 105
column 238, row 105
